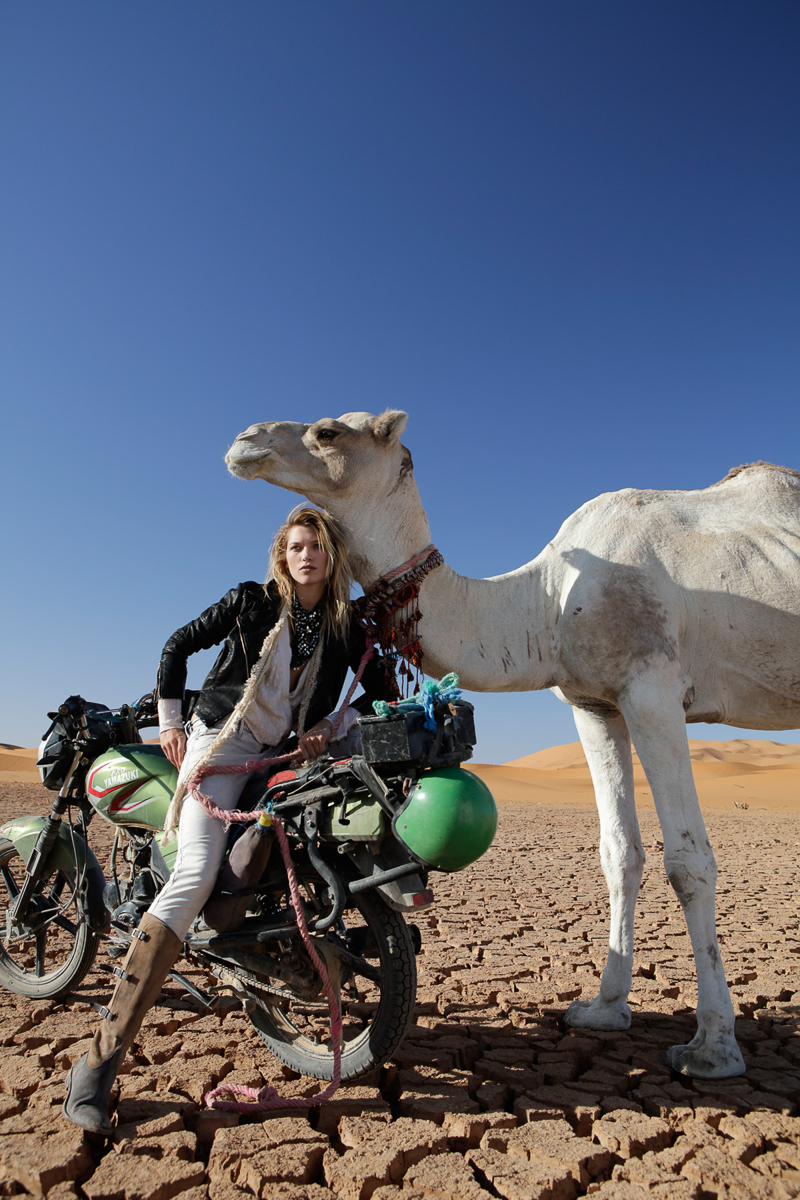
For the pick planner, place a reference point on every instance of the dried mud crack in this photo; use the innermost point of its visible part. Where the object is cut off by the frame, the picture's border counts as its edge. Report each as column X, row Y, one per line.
column 490, row 1095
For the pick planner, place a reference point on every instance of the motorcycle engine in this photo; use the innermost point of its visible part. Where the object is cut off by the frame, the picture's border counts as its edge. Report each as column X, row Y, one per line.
column 127, row 916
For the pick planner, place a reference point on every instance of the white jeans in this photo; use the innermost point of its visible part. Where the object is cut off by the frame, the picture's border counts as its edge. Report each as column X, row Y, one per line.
column 202, row 839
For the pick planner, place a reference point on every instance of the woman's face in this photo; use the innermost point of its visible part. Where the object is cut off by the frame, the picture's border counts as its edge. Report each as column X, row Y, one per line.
column 306, row 561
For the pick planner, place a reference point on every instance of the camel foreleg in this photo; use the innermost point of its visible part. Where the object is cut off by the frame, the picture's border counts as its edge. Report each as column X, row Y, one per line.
column 607, row 745
column 656, row 722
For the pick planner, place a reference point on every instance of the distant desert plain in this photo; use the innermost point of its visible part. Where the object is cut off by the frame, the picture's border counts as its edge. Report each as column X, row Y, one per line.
column 733, row 774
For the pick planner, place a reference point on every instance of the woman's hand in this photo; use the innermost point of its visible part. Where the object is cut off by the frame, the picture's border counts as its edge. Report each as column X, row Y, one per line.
column 173, row 743
column 315, row 742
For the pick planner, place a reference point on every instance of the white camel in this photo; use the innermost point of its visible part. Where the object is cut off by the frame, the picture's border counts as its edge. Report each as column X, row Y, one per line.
column 647, row 610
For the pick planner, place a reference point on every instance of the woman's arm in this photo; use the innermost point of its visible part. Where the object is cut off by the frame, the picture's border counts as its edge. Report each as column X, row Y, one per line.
column 315, row 741
column 173, row 743
column 214, row 624
column 207, row 630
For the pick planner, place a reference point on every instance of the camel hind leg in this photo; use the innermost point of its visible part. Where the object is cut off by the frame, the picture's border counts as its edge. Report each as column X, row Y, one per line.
column 655, row 717
column 607, row 745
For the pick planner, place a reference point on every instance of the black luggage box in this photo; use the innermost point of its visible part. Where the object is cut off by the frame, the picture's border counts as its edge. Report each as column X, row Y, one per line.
column 402, row 737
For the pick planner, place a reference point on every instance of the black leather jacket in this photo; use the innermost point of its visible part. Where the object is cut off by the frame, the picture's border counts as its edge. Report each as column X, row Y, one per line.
column 243, row 618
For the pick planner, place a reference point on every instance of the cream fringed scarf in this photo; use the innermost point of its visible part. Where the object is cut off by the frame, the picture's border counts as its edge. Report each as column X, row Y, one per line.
column 241, row 710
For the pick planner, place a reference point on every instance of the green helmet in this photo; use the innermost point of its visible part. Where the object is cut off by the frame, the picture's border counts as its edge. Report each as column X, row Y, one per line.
column 448, row 820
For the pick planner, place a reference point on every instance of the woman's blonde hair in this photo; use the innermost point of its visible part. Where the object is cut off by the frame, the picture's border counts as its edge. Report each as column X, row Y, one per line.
column 336, row 597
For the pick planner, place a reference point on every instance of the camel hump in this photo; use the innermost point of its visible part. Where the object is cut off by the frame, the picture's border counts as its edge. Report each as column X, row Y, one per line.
column 792, row 476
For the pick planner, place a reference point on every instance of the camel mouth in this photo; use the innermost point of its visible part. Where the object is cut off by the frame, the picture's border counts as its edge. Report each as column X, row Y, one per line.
column 244, row 463
column 242, row 460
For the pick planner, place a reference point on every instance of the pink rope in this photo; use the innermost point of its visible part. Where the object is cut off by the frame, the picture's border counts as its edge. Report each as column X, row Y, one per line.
column 266, row 1098
column 365, row 657
column 233, row 816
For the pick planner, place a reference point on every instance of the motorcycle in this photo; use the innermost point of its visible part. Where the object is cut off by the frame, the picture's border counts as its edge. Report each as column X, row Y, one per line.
column 364, row 834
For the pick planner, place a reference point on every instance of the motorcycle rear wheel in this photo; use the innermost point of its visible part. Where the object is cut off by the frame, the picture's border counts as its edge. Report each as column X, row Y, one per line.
column 375, row 1023
column 58, row 954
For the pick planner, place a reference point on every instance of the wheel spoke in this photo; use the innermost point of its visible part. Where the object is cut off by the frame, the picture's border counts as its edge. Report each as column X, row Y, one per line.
column 376, row 1010
column 56, row 889
column 52, row 953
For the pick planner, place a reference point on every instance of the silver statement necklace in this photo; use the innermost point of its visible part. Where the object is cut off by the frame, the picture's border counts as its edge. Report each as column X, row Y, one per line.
column 306, row 626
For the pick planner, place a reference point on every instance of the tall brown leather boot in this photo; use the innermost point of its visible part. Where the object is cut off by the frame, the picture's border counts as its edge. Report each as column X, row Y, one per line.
column 153, row 950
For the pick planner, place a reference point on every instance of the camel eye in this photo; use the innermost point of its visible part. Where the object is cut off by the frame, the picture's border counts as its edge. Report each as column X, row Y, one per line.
column 326, row 435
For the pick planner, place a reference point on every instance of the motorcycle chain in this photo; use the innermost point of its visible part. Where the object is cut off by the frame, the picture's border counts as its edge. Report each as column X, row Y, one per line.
column 219, row 970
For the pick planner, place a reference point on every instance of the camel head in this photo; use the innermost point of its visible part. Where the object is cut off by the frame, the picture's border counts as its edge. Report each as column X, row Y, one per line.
column 355, row 466
column 355, row 454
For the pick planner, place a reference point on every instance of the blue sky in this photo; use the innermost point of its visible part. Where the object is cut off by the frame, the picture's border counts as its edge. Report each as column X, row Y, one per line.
column 563, row 237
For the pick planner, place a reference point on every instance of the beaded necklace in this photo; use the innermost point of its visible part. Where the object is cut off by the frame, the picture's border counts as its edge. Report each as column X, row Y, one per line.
column 306, row 630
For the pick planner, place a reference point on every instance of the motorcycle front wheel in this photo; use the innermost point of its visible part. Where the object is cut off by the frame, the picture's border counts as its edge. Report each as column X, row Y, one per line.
column 377, row 1001
column 58, row 949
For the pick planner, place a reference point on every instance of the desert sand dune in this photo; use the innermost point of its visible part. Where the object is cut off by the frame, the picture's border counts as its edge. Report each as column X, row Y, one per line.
column 758, row 774
column 18, row 765
column 750, row 751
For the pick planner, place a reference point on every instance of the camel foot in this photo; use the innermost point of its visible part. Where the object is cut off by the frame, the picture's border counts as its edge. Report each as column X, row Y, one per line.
column 707, row 1056
column 598, row 1014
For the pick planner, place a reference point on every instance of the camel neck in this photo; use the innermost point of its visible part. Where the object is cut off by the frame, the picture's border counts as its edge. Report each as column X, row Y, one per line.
column 385, row 536
column 498, row 634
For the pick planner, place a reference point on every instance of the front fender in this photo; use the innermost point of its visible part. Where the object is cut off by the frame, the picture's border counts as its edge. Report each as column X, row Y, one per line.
column 68, row 847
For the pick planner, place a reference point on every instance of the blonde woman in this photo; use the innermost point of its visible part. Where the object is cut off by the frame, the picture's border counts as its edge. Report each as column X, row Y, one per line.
column 287, row 647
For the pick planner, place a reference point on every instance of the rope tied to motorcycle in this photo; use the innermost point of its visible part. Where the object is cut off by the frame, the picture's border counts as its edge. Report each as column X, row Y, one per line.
column 443, row 691
column 268, row 1097
column 395, row 592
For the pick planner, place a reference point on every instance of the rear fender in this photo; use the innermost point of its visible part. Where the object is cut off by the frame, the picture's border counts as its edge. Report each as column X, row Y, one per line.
column 68, row 847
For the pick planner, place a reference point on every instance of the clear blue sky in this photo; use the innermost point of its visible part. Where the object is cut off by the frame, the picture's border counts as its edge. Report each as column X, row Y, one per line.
column 563, row 237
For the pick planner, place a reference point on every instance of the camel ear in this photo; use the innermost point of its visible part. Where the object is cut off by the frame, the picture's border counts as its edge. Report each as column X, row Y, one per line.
column 389, row 424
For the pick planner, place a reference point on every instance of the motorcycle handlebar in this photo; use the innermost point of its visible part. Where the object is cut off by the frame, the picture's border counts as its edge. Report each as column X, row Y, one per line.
column 145, row 711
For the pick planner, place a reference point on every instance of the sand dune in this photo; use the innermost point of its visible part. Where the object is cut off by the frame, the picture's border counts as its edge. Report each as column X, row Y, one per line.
column 739, row 750
column 18, row 765
column 758, row 774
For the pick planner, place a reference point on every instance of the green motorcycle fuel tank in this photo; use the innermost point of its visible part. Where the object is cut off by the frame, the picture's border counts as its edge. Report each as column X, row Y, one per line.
column 134, row 785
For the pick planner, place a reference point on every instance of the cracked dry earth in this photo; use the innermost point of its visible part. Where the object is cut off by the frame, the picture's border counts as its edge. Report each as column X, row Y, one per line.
column 490, row 1095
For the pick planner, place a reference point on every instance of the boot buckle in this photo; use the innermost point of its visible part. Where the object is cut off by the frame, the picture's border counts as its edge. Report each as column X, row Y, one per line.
column 106, row 1013
column 120, row 973
column 140, row 935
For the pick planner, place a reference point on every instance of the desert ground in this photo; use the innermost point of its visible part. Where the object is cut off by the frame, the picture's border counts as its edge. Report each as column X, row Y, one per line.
column 490, row 1095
